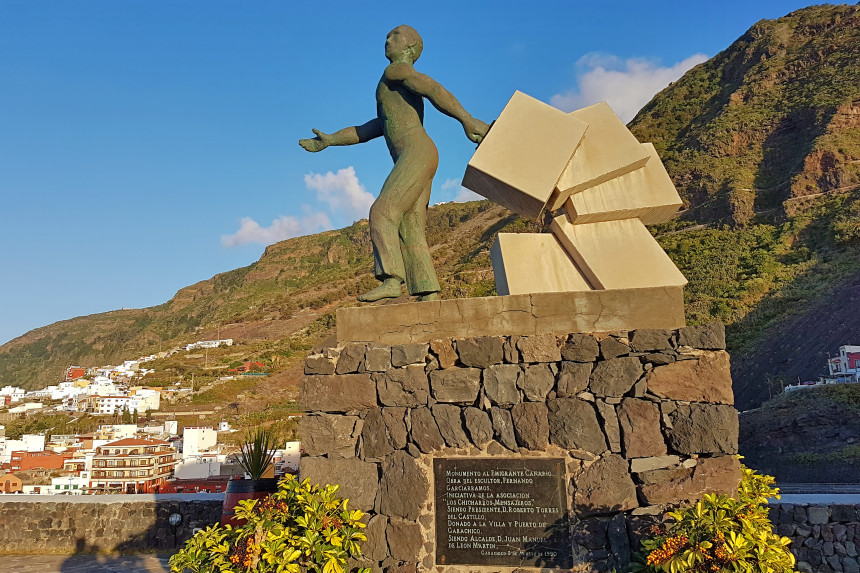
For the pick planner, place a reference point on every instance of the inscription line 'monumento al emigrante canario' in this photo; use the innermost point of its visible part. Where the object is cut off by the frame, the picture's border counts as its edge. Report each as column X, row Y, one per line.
column 548, row 427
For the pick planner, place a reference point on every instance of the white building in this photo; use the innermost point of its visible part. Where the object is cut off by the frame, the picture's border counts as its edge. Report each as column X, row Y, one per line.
column 14, row 392
column 846, row 364
column 69, row 485
column 196, row 440
column 27, row 443
column 171, row 427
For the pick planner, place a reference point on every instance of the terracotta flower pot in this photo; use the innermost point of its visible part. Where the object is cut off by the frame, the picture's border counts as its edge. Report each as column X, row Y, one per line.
column 239, row 489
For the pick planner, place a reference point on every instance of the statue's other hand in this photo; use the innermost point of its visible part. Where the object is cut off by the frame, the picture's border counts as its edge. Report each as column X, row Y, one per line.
column 318, row 143
column 476, row 129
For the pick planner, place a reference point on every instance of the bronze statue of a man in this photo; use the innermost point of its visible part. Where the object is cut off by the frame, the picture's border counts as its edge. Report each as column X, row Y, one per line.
column 399, row 214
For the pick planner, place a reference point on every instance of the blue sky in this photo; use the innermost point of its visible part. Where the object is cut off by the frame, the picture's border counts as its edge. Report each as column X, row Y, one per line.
column 146, row 145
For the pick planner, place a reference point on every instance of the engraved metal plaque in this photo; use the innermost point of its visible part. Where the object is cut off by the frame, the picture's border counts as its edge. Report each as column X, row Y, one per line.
column 501, row 511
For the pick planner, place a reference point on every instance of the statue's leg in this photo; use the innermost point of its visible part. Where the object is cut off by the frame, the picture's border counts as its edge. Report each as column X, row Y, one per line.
column 421, row 277
column 401, row 190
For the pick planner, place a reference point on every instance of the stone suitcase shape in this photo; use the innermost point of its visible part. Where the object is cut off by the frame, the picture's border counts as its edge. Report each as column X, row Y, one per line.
column 533, row 262
column 646, row 193
column 525, row 152
column 617, row 254
column 608, row 150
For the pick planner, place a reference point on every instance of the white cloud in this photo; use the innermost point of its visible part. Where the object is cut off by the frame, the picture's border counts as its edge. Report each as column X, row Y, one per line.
column 465, row 195
column 342, row 191
column 450, row 184
column 285, row 227
column 626, row 85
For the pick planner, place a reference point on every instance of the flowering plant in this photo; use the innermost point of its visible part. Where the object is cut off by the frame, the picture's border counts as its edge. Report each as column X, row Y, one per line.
column 301, row 527
column 721, row 533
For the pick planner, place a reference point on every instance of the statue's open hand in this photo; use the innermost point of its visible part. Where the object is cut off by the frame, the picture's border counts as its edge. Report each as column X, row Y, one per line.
column 318, row 143
column 475, row 129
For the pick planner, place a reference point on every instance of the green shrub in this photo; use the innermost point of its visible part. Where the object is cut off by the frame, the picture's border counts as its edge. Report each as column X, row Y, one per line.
column 301, row 527
column 721, row 533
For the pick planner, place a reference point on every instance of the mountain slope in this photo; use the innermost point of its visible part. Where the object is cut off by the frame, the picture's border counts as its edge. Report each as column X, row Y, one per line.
column 768, row 122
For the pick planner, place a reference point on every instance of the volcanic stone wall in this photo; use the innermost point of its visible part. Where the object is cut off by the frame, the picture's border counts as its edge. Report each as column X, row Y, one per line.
column 824, row 537
column 37, row 524
column 642, row 419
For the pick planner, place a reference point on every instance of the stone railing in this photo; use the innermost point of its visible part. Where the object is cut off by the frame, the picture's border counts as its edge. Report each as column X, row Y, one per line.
column 635, row 421
column 41, row 524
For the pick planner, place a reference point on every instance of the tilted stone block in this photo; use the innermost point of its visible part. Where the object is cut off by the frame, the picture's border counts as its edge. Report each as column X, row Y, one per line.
column 608, row 150
column 519, row 162
column 617, row 254
column 533, row 262
column 646, row 193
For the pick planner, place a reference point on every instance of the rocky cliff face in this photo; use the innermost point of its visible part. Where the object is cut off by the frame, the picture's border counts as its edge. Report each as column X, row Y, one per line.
column 768, row 123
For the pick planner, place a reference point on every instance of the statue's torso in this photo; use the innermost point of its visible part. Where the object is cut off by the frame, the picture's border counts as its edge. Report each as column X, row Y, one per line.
column 402, row 114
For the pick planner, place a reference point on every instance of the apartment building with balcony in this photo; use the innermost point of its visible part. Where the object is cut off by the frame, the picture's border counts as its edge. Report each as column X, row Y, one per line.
column 132, row 465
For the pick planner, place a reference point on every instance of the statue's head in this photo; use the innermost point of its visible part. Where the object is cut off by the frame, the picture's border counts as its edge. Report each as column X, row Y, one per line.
column 403, row 40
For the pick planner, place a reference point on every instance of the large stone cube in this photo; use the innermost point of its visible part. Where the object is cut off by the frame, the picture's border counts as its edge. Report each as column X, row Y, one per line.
column 617, row 254
column 533, row 262
column 608, row 150
column 646, row 193
column 520, row 161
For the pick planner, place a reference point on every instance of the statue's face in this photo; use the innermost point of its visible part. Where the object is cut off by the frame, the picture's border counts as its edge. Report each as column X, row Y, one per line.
column 395, row 43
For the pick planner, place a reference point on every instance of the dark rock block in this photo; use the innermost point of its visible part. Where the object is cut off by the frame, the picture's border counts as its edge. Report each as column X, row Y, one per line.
column 377, row 358
column 480, row 352
column 479, row 426
column 375, row 441
column 500, row 384
column 503, row 427
column 450, row 424
column 539, row 348
column 406, row 387
column 573, row 378
column 337, row 393
column 335, row 436
column 403, row 354
column 615, row 376
column 711, row 336
column 425, row 433
column 573, row 425
column 319, row 364
column 395, row 425
column 404, row 539
column 609, row 423
column 640, row 429
column 612, row 348
column 404, row 487
column 651, row 339
column 580, row 348
column 536, row 381
column 376, row 547
column 457, row 385
column 703, row 428
column 358, row 480
column 350, row 358
column 605, row 487
column 530, row 425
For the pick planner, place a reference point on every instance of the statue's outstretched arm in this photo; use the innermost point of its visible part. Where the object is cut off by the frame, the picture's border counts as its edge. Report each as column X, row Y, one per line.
column 442, row 99
column 346, row 136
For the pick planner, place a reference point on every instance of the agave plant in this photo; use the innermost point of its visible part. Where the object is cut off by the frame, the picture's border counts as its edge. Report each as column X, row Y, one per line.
column 256, row 453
